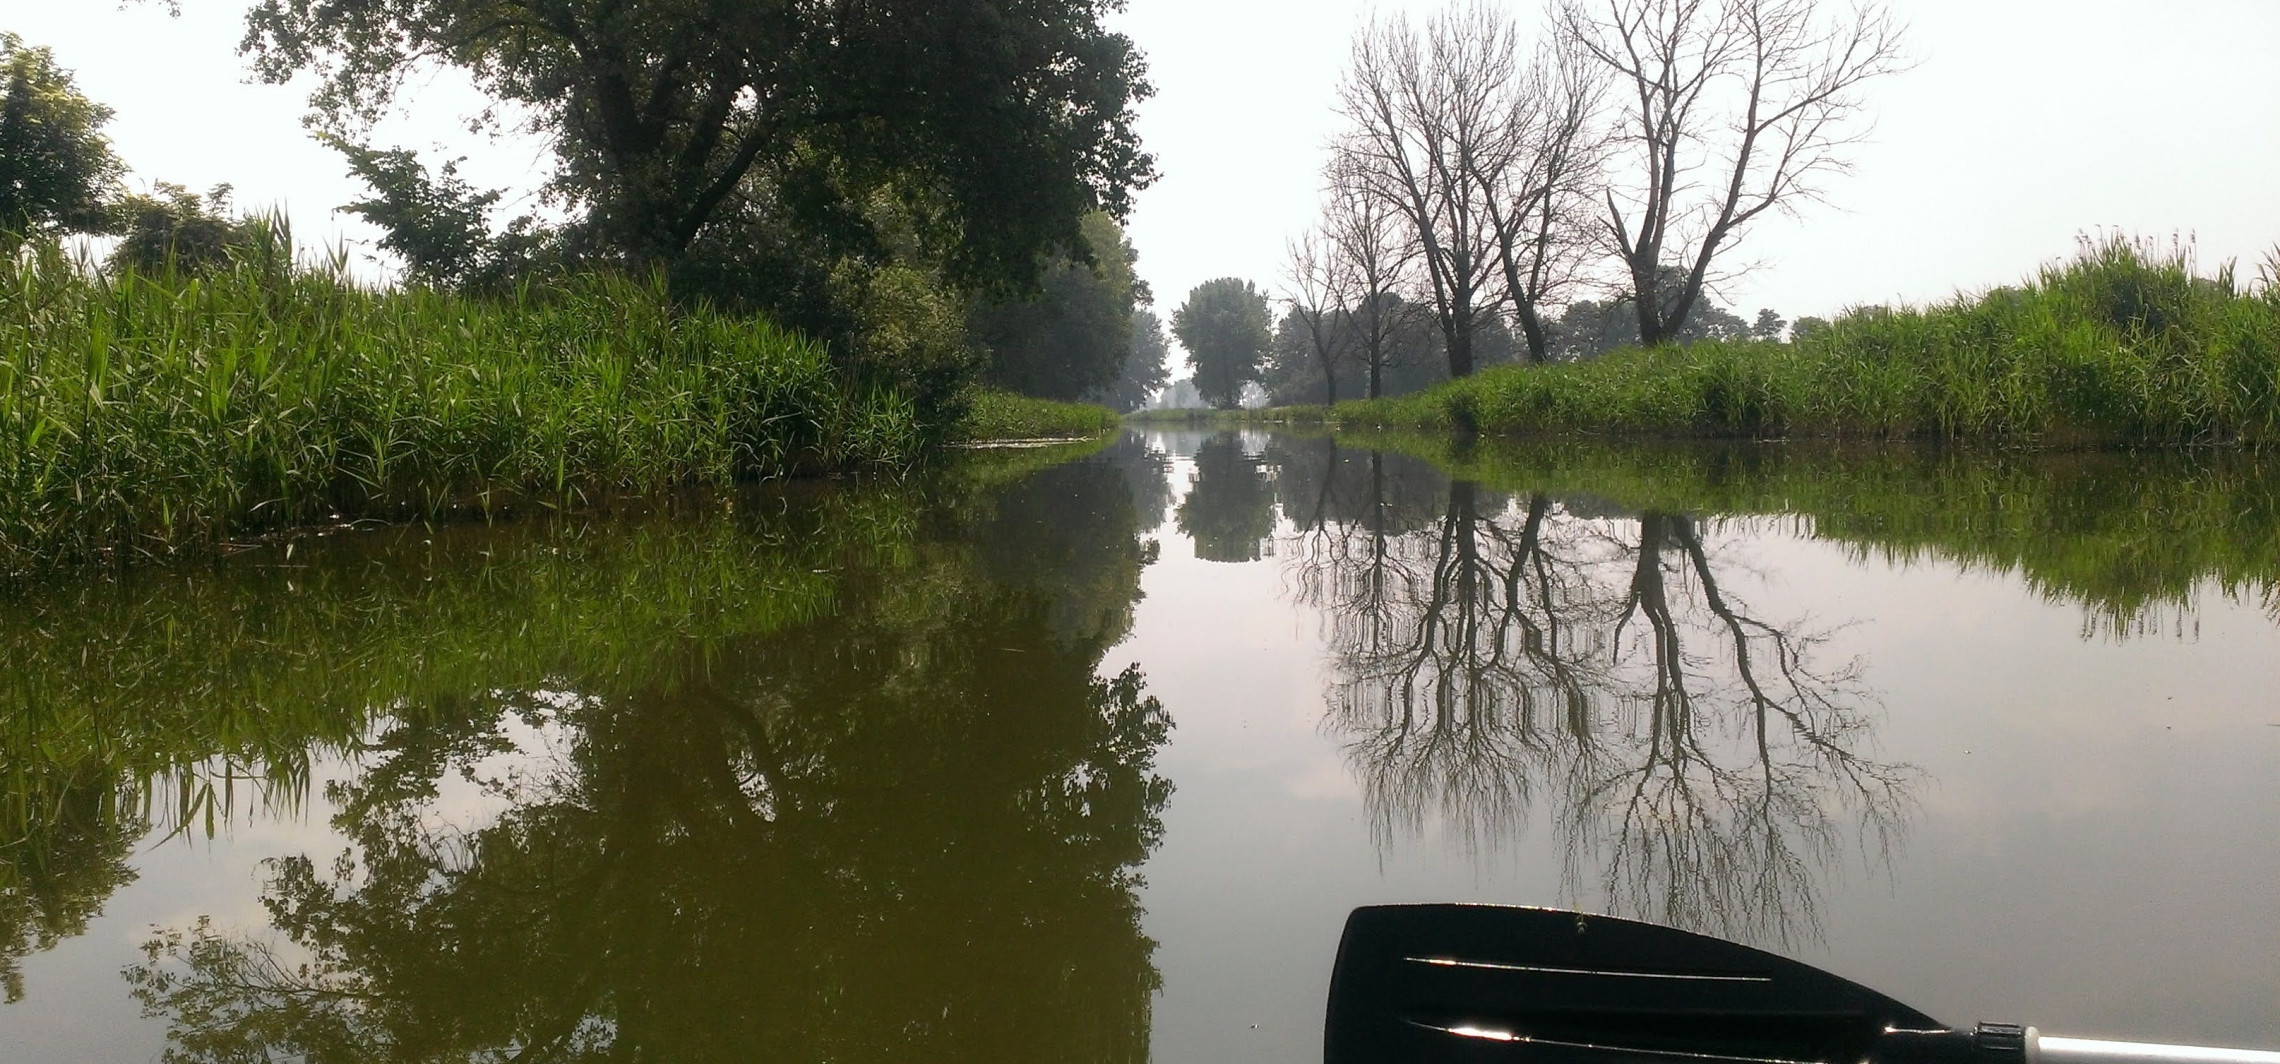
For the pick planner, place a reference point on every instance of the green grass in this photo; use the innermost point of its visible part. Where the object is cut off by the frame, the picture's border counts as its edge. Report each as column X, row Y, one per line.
column 142, row 415
column 993, row 415
column 2120, row 345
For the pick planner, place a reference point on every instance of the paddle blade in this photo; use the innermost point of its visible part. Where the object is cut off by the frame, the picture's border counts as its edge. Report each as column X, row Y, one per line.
column 1421, row 984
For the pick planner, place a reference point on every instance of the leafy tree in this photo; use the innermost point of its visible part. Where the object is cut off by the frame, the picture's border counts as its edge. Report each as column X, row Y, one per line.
column 1224, row 327
column 999, row 124
column 1807, row 327
column 1073, row 337
column 56, row 167
column 173, row 229
column 1295, row 364
column 1145, row 369
column 1768, row 325
column 439, row 225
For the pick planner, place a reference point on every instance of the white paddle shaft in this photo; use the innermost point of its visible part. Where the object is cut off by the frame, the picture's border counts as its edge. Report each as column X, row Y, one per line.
column 2045, row 1049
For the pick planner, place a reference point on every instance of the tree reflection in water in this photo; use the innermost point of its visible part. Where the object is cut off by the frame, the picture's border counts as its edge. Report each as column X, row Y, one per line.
column 1229, row 510
column 1703, row 762
column 821, row 782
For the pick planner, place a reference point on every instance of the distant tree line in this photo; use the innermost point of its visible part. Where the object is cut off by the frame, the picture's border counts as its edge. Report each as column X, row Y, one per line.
column 1490, row 200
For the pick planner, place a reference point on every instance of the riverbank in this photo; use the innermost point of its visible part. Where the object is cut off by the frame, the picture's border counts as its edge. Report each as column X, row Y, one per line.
column 142, row 416
column 2118, row 346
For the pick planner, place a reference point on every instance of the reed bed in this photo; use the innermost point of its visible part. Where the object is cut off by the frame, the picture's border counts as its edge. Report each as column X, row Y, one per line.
column 2122, row 344
column 140, row 414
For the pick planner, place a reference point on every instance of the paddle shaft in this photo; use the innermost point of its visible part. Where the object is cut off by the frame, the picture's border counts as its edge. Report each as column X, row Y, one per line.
column 2047, row 1049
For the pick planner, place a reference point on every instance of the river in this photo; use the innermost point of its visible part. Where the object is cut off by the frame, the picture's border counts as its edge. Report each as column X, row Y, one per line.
column 1088, row 759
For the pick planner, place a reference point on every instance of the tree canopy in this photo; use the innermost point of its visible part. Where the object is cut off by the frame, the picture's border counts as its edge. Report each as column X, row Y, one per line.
column 1074, row 337
column 56, row 167
column 994, row 125
column 1145, row 369
column 1224, row 326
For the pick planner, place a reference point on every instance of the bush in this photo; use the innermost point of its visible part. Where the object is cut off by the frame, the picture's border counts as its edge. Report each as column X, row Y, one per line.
column 908, row 337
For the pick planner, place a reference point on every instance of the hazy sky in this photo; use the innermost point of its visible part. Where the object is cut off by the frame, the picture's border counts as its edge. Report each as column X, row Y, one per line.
column 2025, row 123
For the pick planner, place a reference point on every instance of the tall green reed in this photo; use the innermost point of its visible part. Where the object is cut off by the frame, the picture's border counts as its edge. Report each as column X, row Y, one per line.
column 2125, row 343
column 141, row 413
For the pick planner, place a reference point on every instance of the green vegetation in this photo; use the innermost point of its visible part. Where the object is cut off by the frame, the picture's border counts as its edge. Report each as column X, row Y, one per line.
column 1074, row 336
column 2120, row 345
column 140, row 414
column 997, row 415
column 55, row 164
column 1225, row 327
column 723, row 147
column 804, row 295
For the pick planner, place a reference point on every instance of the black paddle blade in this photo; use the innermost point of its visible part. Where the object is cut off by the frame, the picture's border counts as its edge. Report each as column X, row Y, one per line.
column 1422, row 984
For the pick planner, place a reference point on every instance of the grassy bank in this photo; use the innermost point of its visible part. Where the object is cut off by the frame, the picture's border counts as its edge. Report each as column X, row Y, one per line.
column 1002, row 416
column 2120, row 345
column 140, row 415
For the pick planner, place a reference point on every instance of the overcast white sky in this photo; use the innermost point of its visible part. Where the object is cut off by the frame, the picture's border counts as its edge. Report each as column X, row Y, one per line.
column 2026, row 123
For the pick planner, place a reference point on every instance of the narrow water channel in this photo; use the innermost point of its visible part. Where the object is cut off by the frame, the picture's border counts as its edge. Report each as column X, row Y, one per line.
column 1088, row 760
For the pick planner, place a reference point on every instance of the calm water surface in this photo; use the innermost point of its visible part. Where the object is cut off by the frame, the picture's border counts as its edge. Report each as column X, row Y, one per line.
column 1089, row 761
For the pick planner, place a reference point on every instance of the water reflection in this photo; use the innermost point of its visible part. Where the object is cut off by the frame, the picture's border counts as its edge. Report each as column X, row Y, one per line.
column 62, row 860
column 1229, row 511
column 831, row 777
column 1702, row 760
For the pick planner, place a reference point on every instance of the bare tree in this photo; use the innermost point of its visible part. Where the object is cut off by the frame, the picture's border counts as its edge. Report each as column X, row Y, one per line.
column 1732, row 108
column 1364, row 232
column 1424, row 110
column 1320, row 289
column 1549, row 173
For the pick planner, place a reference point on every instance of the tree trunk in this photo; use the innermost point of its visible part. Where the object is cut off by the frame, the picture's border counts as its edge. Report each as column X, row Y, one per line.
column 1646, row 300
column 1532, row 328
column 1460, row 343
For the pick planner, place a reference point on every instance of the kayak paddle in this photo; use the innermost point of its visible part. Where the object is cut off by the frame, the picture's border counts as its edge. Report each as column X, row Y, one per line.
column 1424, row 984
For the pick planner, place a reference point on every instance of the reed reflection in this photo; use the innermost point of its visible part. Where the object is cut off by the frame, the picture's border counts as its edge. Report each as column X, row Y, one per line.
column 838, row 775
column 1493, row 655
